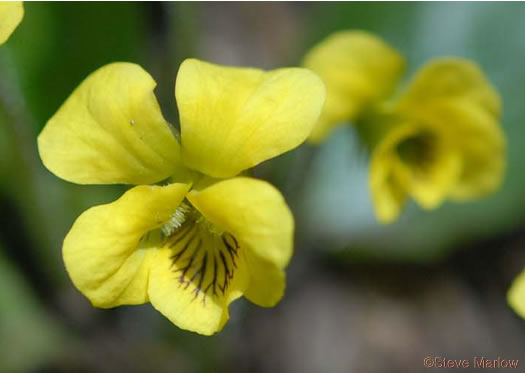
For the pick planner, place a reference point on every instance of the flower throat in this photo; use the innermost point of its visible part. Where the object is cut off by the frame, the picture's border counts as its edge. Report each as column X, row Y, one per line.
column 204, row 257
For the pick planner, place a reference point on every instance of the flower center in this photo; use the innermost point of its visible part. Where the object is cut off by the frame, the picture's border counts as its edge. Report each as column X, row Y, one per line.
column 177, row 219
column 204, row 257
column 418, row 150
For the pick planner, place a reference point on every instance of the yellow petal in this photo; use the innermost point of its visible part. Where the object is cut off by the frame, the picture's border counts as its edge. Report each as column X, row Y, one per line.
column 11, row 14
column 267, row 282
column 252, row 210
column 516, row 295
column 106, row 251
column 446, row 79
column 110, row 130
column 194, row 277
column 257, row 215
column 434, row 170
column 357, row 68
column 234, row 118
column 453, row 95
column 387, row 194
column 414, row 160
column 482, row 144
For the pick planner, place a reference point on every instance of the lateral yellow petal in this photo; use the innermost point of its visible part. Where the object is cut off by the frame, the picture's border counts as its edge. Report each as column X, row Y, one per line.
column 482, row 144
column 234, row 118
column 267, row 282
column 516, row 295
column 453, row 94
column 358, row 69
column 110, row 130
column 387, row 194
column 11, row 14
column 106, row 251
column 254, row 212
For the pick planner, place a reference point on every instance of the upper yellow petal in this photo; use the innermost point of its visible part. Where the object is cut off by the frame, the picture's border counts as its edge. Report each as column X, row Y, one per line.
column 357, row 68
column 106, row 251
column 453, row 95
column 448, row 79
column 516, row 295
column 11, row 14
column 234, row 118
column 110, row 130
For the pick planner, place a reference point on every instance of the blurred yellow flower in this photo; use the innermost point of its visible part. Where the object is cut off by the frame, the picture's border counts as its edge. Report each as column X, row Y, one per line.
column 196, row 244
column 440, row 139
column 11, row 14
column 516, row 295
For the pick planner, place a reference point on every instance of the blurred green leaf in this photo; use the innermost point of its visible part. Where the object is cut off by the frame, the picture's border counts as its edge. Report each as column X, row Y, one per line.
column 59, row 43
column 55, row 47
column 30, row 336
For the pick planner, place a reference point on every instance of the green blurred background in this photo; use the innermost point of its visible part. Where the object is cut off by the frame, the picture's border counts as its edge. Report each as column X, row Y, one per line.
column 361, row 297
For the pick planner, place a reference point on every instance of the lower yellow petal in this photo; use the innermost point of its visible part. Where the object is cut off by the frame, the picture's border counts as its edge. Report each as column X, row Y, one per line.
column 434, row 170
column 195, row 274
column 11, row 14
column 516, row 295
column 106, row 251
column 111, row 130
column 357, row 68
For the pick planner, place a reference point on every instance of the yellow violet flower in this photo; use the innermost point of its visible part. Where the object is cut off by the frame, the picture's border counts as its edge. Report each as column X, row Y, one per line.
column 516, row 295
column 11, row 14
column 440, row 139
column 207, row 237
